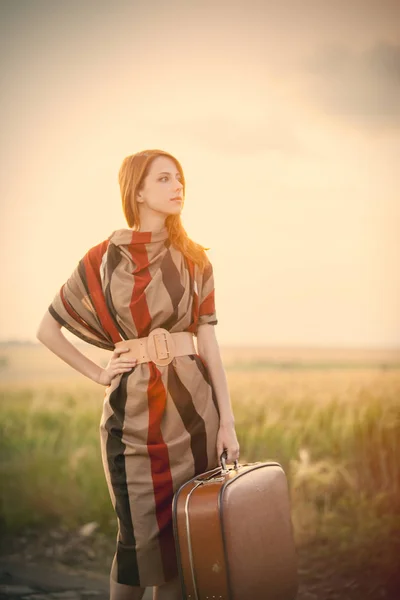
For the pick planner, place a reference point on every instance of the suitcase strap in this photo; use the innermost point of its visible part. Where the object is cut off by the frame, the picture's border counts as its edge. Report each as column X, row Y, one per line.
column 223, row 592
column 189, row 538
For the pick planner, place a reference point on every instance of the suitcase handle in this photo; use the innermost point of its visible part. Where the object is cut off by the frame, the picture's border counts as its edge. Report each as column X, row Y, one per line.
column 223, row 458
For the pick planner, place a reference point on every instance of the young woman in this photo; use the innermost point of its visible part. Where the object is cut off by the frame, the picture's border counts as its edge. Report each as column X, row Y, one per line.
column 167, row 415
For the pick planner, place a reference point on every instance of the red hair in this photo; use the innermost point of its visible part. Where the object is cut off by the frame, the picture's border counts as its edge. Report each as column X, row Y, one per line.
column 133, row 170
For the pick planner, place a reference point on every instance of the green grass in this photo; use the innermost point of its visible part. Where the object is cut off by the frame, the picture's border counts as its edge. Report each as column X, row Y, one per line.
column 50, row 467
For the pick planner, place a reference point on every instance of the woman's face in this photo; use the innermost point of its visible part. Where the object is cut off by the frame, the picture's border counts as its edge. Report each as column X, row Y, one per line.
column 162, row 184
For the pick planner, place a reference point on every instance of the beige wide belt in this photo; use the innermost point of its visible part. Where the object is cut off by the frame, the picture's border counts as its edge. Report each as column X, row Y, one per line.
column 160, row 346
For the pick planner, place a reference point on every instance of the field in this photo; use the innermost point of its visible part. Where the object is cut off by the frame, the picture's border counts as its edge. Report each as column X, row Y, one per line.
column 330, row 417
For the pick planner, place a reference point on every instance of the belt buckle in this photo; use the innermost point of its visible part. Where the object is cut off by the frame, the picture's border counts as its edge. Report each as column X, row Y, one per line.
column 160, row 346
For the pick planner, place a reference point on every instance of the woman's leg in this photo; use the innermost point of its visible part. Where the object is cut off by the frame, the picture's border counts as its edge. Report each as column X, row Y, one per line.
column 168, row 591
column 119, row 591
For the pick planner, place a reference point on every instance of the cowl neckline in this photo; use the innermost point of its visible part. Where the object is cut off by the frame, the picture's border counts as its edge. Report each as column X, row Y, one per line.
column 127, row 237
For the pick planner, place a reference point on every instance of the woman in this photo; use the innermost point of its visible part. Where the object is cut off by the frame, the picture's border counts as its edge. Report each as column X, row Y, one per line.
column 166, row 417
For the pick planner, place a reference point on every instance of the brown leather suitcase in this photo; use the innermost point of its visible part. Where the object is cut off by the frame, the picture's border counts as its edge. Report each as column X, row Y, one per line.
column 233, row 534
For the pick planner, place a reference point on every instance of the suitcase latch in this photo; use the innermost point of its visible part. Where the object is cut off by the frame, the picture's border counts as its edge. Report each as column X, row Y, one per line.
column 212, row 480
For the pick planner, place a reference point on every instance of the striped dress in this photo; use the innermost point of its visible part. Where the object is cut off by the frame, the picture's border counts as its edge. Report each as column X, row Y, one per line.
column 159, row 424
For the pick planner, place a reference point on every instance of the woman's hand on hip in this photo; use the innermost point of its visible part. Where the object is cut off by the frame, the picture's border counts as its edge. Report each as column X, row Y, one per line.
column 116, row 365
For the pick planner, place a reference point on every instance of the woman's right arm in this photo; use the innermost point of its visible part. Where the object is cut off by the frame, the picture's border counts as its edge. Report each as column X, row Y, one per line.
column 49, row 333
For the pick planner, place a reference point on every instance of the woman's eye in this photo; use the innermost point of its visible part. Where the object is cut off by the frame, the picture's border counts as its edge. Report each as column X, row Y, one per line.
column 165, row 177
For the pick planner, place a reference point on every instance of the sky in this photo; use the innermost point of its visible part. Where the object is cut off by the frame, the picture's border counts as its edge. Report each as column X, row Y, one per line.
column 285, row 117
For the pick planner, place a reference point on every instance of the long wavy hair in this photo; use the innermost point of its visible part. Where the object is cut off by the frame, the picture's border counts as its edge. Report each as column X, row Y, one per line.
column 133, row 170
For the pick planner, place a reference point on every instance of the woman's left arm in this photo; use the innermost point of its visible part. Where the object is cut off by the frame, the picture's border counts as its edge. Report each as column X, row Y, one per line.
column 208, row 349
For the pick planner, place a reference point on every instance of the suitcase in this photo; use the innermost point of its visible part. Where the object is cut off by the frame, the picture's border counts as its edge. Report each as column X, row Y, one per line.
column 233, row 534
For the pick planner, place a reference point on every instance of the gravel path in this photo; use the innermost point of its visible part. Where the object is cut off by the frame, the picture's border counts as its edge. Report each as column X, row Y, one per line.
column 67, row 565
column 39, row 581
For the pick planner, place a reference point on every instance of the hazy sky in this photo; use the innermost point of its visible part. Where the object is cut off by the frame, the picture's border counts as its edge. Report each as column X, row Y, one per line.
column 285, row 117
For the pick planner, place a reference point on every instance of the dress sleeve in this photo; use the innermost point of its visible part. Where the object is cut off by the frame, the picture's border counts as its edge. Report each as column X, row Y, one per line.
column 79, row 304
column 207, row 311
